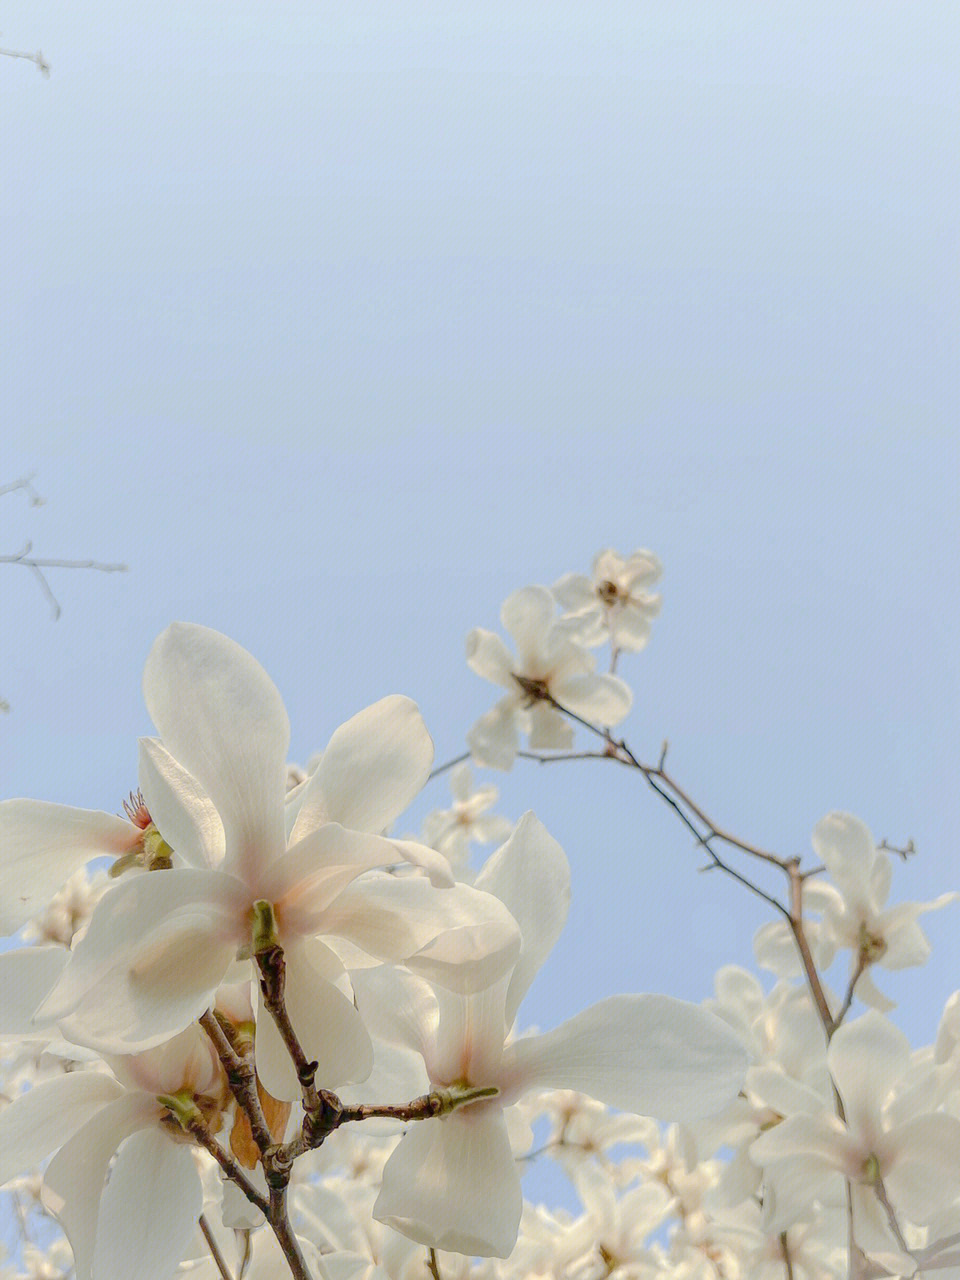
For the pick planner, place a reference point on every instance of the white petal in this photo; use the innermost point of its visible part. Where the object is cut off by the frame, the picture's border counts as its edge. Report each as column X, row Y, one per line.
column 453, row 1184
column 327, row 1026
column 27, row 976
column 867, row 1058
column 461, row 783
column 435, row 864
column 156, row 949
column 574, row 591
column 549, row 729
column 846, row 848
column 649, row 1054
column 490, row 658
column 470, row 1035
column 149, row 1209
column 42, row 845
column 494, row 738
column 372, row 769
column 531, row 876
column 220, row 715
column 73, row 1182
column 528, row 615
column 631, row 626
column 39, row 1121
column 181, row 812
column 602, row 699
column 398, row 1007
column 459, row 937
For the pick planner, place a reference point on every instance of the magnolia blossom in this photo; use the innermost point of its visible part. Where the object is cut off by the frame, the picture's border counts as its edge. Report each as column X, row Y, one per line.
column 853, row 914
column 613, row 603
column 159, row 945
column 453, row 1183
column 890, row 1142
column 549, row 667
column 451, row 831
column 139, row 1226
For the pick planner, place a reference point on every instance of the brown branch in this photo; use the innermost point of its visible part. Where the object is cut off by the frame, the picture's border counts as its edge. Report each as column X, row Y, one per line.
column 286, row 1237
column 448, row 764
column 241, row 1076
column 433, row 1265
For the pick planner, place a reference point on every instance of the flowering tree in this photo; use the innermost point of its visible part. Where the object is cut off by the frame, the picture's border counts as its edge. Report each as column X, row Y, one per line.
column 253, row 1033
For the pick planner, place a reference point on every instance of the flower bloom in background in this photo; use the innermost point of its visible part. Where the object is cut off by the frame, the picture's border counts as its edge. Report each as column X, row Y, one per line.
column 451, row 831
column 614, row 604
column 550, row 668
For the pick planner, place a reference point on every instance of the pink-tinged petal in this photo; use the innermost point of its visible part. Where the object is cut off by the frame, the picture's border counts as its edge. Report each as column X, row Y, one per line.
column 470, row 1035
column 602, row 699
column 73, row 1182
column 846, row 848
column 27, row 976
column 156, row 949
column 220, row 715
column 39, row 1121
column 453, row 1184
column 920, row 1163
column 459, row 937
column 531, row 877
column 372, row 769
column 307, row 878
column 494, row 738
column 149, row 1210
column 527, row 615
column 181, row 812
column 867, row 1058
column 42, row 845
column 649, row 1054
column 574, row 591
column 326, row 1022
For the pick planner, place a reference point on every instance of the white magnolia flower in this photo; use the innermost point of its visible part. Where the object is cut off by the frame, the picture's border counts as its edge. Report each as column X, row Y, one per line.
column 881, row 1144
column 159, row 945
column 450, row 831
column 853, row 912
column 613, row 603
column 452, row 1182
column 549, row 667
column 140, row 1225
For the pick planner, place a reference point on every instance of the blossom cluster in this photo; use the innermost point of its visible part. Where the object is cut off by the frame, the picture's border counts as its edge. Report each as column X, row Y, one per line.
column 250, row 1032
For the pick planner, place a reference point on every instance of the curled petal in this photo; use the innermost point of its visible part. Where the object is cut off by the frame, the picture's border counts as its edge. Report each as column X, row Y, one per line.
column 220, row 715
column 489, row 657
column 181, row 812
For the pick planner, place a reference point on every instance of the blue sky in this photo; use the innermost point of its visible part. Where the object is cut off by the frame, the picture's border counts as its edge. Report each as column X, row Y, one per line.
column 337, row 323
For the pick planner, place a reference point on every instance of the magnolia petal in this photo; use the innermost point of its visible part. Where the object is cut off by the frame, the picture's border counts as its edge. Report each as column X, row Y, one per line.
column 528, row 615
column 42, row 845
column 649, row 1054
column 156, row 949
column 459, row 937
column 574, row 591
column 920, row 1160
column 222, row 718
column 73, row 1182
column 867, row 1058
column 372, row 769
column 328, row 1027
column 846, row 848
column 453, row 1184
column 39, row 1121
column 470, row 1035
column 602, row 699
column 494, row 738
column 398, row 1007
column 489, row 657
column 27, row 976
column 308, row 877
column 429, row 860
column 632, row 625
column 149, row 1209
column 531, row 877
column 181, row 812
column 549, row 729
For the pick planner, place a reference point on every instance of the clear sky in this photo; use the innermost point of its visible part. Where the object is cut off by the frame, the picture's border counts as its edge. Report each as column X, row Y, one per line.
column 338, row 322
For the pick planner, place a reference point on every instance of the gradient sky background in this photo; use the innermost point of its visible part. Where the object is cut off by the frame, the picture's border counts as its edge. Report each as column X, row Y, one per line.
column 340, row 322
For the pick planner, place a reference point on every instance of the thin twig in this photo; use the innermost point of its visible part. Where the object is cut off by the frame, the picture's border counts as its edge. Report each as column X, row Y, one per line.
column 36, row 567
column 448, row 764
column 25, row 483
column 241, row 1076
column 37, row 58
column 218, row 1259
column 844, row 1009
column 433, row 1265
column 227, row 1163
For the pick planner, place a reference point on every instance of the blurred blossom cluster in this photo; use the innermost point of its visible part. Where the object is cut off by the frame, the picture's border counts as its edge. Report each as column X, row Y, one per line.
column 249, row 1032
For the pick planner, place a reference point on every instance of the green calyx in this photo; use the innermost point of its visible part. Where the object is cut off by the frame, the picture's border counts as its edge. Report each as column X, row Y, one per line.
column 264, row 931
column 182, row 1106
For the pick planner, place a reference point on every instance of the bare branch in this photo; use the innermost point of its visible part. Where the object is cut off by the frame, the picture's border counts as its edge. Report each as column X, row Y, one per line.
column 37, row 58
column 36, row 567
column 448, row 764
column 218, row 1259
column 24, row 484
